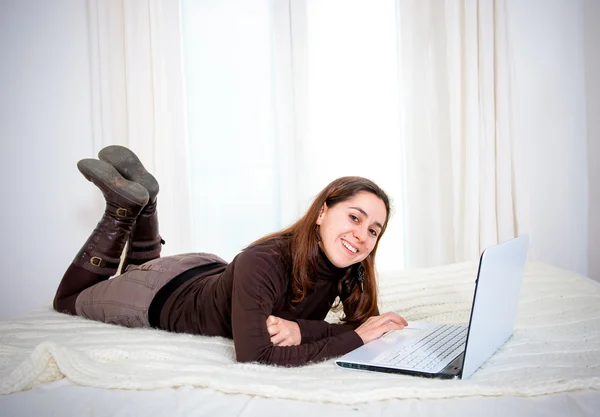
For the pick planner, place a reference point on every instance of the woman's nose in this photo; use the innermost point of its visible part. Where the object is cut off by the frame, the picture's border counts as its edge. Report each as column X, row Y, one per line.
column 360, row 233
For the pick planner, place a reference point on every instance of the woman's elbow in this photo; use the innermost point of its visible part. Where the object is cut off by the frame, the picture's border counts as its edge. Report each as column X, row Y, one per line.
column 243, row 356
column 264, row 357
column 267, row 358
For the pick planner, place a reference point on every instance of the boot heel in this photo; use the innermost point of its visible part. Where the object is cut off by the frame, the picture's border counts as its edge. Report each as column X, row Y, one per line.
column 115, row 188
column 129, row 166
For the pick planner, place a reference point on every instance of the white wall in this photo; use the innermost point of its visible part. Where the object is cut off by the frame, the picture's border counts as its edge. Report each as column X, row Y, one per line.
column 547, row 42
column 45, row 127
column 592, row 84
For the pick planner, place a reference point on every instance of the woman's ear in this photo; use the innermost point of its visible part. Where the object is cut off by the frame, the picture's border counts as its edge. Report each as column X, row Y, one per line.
column 322, row 214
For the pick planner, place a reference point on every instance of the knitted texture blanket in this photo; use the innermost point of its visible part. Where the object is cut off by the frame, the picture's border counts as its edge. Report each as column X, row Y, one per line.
column 555, row 348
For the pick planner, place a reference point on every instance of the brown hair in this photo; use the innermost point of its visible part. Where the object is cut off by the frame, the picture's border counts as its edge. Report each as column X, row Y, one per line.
column 358, row 306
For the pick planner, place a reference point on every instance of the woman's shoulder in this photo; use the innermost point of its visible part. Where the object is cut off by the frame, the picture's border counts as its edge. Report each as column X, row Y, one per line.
column 268, row 258
column 271, row 252
column 276, row 247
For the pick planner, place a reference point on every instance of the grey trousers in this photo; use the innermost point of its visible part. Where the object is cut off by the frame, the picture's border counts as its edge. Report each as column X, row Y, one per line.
column 125, row 299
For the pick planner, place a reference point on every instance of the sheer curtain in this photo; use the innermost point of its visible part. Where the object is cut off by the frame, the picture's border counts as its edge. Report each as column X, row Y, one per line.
column 279, row 106
column 352, row 118
column 283, row 97
column 286, row 96
column 428, row 98
column 238, row 77
column 138, row 98
column 465, row 184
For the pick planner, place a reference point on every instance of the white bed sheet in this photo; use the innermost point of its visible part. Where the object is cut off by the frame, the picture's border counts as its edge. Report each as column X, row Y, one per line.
column 544, row 284
column 64, row 399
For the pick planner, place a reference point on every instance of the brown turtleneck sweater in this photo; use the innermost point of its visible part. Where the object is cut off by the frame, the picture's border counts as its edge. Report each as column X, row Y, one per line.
column 235, row 300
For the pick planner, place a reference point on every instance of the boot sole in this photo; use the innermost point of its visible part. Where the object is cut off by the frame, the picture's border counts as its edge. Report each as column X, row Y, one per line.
column 104, row 175
column 130, row 167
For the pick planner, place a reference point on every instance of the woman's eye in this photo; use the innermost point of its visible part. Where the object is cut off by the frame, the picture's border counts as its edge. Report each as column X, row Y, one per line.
column 373, row 232
column 353, row 218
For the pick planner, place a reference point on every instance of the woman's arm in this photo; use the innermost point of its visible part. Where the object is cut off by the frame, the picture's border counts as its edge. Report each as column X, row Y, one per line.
column 312, row 330
column 296, row 331
column 258, row 284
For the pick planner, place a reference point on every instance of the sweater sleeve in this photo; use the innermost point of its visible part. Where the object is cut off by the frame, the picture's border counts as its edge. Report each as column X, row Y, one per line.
column 257, row 285
column 312, row 330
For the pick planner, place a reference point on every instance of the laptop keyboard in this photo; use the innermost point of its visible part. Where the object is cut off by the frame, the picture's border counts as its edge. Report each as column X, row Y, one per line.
column 431, row 353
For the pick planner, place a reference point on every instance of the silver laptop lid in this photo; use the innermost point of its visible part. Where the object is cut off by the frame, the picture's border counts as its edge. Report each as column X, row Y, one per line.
column 494, row 310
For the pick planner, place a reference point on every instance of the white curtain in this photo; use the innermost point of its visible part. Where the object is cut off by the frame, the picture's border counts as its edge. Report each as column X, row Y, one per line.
column 464, row 180
column 138, row 99
column 414, row 95
column 272, row 90
column 428, row 98
column 286, row 96
column 239, row 98
column 352, row 101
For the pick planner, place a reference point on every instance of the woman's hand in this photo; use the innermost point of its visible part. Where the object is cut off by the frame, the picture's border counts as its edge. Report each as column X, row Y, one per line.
column 377, row 326
column 283, row 332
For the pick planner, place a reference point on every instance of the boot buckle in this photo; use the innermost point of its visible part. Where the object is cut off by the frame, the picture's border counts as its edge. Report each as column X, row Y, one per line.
column 122, row 212
column 96, row 261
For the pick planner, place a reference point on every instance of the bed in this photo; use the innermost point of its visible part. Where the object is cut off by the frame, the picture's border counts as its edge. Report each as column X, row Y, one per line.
column 54, row 364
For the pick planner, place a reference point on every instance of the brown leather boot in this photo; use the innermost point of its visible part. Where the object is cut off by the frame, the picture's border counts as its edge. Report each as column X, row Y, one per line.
column 99, row 257
column 145, row 242
column 124, row 201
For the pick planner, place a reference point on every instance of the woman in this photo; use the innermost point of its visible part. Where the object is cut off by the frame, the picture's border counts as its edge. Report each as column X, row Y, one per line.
column 271, row 299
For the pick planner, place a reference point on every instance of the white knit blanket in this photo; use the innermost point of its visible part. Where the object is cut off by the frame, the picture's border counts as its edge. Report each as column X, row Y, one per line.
column 555, row 348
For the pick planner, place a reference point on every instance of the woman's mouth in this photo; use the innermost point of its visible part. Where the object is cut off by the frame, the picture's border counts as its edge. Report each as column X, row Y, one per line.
column 351, row 249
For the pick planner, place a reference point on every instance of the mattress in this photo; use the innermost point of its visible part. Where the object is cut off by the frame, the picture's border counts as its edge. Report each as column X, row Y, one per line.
column 63, row 398
column 551, row 363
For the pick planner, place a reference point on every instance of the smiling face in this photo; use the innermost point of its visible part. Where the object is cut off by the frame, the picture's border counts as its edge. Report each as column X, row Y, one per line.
column 350, row 229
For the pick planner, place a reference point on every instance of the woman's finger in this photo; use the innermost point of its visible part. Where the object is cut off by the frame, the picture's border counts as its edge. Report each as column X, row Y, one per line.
column 399, row 317
column 389, row 317
column 277, row 339
column 271, row 320
column 273, row 329
column 377, row 326
column 392, row 325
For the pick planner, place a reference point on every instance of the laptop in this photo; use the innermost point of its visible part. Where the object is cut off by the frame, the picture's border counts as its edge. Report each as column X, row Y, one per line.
column 452, row 351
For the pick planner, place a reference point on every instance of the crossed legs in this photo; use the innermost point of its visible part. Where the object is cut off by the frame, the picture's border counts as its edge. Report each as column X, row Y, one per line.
column 130, row 216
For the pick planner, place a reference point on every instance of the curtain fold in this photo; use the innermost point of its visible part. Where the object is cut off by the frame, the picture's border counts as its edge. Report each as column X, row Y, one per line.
column 463, row 183
column 282, row 97
column 412, row 94
column 138, row 99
